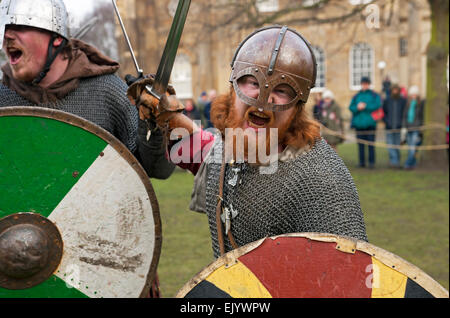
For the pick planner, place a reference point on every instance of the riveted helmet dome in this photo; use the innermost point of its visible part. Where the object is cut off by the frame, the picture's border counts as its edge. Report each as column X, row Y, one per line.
column 50, row 15
column 275, row 55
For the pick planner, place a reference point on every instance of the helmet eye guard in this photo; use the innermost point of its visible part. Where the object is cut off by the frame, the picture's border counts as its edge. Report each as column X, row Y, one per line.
column 277, row 93
column 273, row 69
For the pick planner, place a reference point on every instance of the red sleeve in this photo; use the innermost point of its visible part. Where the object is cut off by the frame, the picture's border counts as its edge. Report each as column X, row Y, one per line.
column 190, row 152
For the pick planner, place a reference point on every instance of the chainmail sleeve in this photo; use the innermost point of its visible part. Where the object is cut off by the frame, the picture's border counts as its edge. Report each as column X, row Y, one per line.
column 152, row 153
column 122, row 112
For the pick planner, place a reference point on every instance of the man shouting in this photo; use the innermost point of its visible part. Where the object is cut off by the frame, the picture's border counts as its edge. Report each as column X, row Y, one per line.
column 47, row 68
column 266, row 171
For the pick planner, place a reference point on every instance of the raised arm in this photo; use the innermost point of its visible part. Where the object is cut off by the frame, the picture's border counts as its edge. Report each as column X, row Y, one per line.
column 167, row 117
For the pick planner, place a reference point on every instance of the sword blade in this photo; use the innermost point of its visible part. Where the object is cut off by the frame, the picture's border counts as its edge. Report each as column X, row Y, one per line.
column 165, row 67
column 127, row 39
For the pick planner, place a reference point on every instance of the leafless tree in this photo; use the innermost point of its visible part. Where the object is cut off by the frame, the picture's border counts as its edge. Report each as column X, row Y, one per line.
column 98, row 29
column 436, row 108
column 245, row 14
column 232, row 15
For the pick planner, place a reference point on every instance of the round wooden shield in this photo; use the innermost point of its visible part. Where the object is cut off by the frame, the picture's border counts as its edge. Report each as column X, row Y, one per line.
column 311, row 265
column 70, row 186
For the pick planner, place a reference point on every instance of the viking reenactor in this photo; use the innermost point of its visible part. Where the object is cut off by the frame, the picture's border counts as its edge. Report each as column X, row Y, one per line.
column 250, row 195
column 47, row 68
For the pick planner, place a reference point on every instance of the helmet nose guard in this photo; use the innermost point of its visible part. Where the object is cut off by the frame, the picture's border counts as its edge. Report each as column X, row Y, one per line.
column 275, row 55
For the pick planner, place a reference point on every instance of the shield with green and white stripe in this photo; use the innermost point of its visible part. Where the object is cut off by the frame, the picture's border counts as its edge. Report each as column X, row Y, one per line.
column 85, row 183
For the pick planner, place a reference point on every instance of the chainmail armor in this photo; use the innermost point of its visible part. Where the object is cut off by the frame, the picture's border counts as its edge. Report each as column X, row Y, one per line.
column 101, row 100
column 312, row 193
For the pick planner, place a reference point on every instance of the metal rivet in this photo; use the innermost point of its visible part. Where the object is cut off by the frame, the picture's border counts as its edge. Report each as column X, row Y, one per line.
column 267, row 85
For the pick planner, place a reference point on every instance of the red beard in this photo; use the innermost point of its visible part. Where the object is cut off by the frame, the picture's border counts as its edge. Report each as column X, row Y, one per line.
column 253, row 145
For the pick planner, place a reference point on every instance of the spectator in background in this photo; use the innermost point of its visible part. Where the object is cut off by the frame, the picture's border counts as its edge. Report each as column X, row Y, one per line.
column 316, row 93
column 331, row 118
column 362, row 105
column 412, row 120
column 202, row 100
column 404, row 92
column 201, row 103
column 386, row 87
column 212, row 94
column 446, row 133
column 191, row 110
column 393, row 108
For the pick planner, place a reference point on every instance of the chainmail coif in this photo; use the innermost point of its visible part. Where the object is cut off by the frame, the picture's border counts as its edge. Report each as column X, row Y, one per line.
column 101, row 100
column 312, row 193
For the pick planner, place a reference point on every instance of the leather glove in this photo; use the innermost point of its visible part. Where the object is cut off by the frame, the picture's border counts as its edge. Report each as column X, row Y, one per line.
column 150, row 107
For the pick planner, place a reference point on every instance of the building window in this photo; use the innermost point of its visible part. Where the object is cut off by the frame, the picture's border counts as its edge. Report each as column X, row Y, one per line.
column 403, row 46
column 361, row 64
column 359, row 2
column 310, row 3
column 320, row 59
column 182, row 76
column 267, row 5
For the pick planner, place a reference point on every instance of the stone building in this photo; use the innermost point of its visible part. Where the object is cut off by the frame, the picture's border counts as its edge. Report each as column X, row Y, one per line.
column 388, row 38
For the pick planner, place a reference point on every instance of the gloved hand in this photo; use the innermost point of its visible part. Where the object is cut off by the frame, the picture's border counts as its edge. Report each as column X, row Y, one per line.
column 403, row 132
column 149, row 106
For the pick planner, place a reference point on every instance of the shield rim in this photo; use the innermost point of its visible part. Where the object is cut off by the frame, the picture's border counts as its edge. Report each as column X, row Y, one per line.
column 343, row 243
column 74, row 120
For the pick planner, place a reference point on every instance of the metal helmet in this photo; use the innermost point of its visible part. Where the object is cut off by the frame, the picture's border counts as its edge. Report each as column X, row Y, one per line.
column 49, row 15
column 275, row 55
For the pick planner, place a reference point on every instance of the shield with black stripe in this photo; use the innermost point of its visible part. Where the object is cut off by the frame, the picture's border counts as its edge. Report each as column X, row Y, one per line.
column 311, row 265
column 78, row 214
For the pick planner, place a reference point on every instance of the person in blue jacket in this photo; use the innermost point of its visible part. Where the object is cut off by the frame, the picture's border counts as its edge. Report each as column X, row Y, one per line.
column 362, row 105
column 413, row 118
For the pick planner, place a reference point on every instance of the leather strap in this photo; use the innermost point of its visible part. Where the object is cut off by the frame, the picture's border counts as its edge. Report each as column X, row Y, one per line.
column 52, row 53
column 219, row 212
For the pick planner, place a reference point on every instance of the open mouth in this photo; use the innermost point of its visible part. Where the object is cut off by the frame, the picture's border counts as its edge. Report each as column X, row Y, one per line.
column 258, row 119
column 14, row 55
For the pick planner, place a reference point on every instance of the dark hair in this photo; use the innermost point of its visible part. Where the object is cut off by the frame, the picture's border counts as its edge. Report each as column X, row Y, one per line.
column 67, row 51
column 365, row 79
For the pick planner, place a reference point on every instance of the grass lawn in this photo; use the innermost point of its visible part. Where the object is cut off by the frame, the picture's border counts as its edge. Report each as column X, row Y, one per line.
column 406, row 213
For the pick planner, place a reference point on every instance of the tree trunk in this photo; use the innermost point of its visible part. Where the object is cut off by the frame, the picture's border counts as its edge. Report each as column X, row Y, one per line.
column 436, row 107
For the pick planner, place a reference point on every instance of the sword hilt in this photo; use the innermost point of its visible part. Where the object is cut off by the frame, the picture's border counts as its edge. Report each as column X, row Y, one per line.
column 152, row 91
